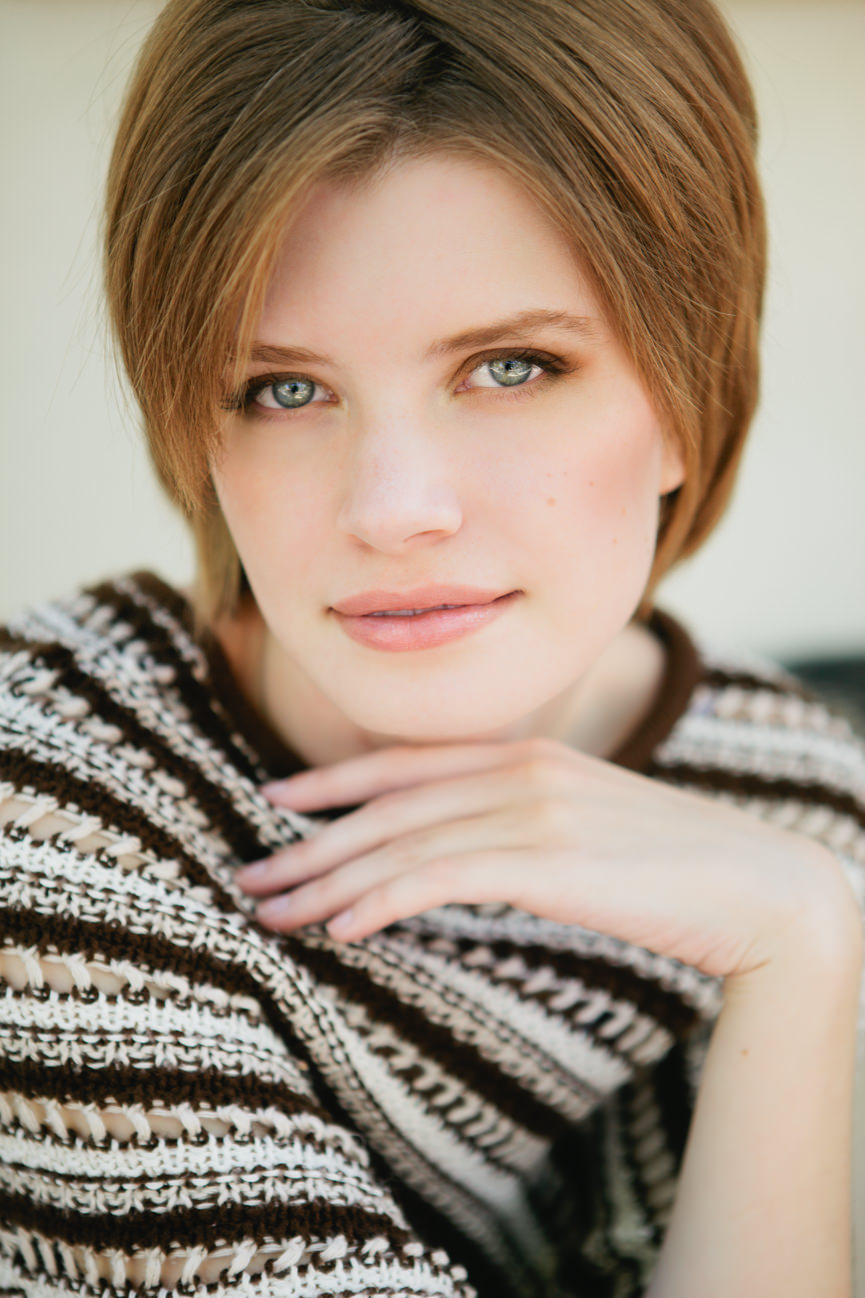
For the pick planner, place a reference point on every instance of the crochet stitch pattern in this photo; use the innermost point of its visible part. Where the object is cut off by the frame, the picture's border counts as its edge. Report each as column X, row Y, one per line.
column 472, row 1101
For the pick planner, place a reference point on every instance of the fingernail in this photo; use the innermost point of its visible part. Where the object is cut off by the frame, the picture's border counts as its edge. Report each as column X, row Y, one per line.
column 275, row 909
column 250, row 873
column 274, row 788
column 340, row 923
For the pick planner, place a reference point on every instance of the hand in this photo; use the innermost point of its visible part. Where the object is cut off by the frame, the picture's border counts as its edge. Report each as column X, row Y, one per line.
column 554, row 832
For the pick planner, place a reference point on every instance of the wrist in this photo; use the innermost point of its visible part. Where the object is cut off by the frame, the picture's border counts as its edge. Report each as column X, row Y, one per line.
column 817, row 959
column 818, row 937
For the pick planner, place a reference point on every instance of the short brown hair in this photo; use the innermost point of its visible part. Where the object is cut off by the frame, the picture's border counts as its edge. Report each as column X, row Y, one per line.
column 631, row 121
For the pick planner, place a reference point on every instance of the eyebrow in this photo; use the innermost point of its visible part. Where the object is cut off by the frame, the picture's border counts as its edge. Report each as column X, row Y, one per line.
column 515, row 326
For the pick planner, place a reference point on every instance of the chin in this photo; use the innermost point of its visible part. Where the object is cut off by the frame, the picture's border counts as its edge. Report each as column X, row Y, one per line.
column 460, row 717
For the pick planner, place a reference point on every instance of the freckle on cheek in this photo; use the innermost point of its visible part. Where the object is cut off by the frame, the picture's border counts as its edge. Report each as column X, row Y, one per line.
column 551, row 500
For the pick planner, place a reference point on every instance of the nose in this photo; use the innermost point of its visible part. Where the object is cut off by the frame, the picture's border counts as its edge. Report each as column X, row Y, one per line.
column 399, row 485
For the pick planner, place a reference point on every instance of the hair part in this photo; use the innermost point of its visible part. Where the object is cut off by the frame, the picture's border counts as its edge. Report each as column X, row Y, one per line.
column 631, row 122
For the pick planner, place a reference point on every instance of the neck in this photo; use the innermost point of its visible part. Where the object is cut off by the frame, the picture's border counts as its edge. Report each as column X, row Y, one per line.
column 596, row 715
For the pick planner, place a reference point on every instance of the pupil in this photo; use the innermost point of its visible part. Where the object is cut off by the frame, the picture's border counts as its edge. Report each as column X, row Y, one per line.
column 292, row 392
column 510, row 372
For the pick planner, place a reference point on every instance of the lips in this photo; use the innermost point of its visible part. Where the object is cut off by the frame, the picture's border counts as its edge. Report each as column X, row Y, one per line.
column 420, row 599
column 403, row 631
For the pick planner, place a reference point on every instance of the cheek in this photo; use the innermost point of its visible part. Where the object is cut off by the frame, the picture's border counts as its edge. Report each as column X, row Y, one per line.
column 269, row 519
column 602, row 489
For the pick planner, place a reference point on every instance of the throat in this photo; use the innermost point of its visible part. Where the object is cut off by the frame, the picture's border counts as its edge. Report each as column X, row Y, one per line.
column 617, row 694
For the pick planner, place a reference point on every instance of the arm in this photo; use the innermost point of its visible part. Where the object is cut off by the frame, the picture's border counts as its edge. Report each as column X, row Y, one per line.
column 778, row 1080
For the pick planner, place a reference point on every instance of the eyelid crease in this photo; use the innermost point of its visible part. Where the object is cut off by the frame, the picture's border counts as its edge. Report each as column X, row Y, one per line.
column 519, row 326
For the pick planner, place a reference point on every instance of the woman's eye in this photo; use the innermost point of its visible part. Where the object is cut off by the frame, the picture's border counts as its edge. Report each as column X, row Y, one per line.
column 283, row 394
column 505, row 372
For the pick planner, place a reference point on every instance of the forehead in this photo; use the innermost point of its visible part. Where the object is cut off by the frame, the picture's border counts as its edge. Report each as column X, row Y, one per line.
column 431, row 243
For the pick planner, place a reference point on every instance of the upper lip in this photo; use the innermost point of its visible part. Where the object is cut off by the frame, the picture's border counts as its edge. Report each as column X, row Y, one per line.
column 379, row 601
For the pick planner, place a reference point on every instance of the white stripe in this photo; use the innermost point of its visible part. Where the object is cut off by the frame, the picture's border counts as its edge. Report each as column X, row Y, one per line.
column 508, row 924
column 501, row 1024
column 388, row 1279
column 712, row 743
column 219, row 1155
column 499, row 1192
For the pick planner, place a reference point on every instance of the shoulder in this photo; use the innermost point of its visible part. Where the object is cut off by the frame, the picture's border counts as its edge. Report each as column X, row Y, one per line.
column 756, row 735
column 126, row 796
column 110, row 725
column 113, row 671
column 750, row 715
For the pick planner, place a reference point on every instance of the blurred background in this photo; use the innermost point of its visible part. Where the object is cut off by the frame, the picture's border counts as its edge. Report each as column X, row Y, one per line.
column 783, row 575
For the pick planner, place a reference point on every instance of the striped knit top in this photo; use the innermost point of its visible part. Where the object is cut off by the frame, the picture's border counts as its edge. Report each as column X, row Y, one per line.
column 472, row 1101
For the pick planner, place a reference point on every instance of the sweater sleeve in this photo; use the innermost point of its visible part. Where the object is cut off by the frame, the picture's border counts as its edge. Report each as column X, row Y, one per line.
column 157, row 1130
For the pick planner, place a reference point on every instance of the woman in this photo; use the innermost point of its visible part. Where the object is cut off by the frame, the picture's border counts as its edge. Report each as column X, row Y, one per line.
column 358, row 938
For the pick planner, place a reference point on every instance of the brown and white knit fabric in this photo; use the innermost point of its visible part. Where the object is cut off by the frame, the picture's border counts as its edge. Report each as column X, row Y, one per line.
column 473, row 1101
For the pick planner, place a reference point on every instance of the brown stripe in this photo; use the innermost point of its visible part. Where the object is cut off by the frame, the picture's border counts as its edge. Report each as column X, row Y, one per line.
column 107, row 941
column 207, row 1088
column 89, row 797
column 582, row 1209
column 278, row 759
column 682, row 673
column 202, row 702
column 620, row 981
column 721, row 678
column 672, row 1091
column 458, row 1058
column 210, row 797
column 768, row 788
column 487, row 1279
column 189, row 1227
column 150, row 952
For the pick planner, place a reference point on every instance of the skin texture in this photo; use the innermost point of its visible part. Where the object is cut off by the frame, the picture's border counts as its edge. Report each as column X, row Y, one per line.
column 404, row 465
column 404, row 471
column 481, row 764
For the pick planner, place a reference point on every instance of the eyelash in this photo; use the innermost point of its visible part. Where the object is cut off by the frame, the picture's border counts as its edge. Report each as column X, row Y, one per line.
column 243, row 401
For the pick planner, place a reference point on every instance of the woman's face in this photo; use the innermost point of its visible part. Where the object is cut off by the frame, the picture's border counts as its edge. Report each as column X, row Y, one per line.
column 461, row 414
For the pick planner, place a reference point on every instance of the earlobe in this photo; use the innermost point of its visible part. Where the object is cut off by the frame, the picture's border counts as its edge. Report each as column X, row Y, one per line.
column 673, row 467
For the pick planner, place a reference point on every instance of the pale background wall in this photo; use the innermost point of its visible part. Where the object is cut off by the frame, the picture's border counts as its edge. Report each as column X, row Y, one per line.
column 784, row 572
column 783, row 575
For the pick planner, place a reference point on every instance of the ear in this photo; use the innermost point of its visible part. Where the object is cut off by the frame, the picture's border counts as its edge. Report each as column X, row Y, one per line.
column 672, row 466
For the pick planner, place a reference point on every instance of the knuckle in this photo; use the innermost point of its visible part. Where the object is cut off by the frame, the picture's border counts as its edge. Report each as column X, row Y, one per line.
column 443, row 873
column 411, row 850
column 388, row 894
column 323, row 891
column 388, row 802
column 545, row 764
column 541, row 746
column 552, row 817
column 536, row 770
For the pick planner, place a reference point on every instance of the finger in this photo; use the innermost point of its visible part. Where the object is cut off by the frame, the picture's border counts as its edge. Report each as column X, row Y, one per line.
column 473, row 878
column 285, row 868
column 400, row 814
column 357, row 779
column 333, row 891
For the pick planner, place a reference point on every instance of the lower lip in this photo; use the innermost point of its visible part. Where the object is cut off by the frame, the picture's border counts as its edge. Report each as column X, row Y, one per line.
column 423, row 630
